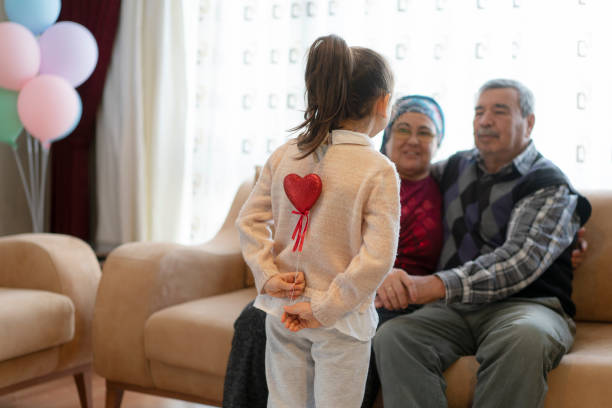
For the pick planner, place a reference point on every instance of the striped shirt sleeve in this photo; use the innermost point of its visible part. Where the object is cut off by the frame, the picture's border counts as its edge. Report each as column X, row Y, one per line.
column 542, row 225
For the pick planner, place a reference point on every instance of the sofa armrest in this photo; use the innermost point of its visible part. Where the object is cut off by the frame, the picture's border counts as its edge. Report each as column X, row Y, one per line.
column 141, row 278
column 60, row 264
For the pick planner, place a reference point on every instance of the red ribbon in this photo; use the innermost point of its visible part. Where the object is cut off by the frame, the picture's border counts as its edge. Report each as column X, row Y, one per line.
column 298, row 230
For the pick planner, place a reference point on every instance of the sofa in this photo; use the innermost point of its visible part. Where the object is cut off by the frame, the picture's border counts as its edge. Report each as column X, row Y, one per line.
column 48, row 285
column 163, row 320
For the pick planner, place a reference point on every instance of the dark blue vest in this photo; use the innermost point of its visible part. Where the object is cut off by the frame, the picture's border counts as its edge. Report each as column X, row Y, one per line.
column 477, row 209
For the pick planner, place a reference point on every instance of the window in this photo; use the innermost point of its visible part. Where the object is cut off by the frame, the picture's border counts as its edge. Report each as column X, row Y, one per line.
column 250, row 55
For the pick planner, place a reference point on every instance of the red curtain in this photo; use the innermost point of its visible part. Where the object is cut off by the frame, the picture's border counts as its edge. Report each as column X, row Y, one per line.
column 72, row 158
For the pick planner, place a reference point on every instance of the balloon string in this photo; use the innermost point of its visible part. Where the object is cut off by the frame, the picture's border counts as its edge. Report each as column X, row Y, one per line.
column 33, row 185
column 36, row 146
column 41, row 203
column 24, row 182
column 36, row 186
column 297, row 270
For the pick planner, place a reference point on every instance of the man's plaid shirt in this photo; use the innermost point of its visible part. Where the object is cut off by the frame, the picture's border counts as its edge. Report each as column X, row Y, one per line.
column 541, row 226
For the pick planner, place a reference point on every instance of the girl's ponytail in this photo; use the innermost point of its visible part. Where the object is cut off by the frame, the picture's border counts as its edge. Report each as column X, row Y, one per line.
column 341, row 83
column 328, row 72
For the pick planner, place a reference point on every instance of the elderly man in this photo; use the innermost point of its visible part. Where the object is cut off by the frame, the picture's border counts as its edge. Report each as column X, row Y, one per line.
column 503, row 292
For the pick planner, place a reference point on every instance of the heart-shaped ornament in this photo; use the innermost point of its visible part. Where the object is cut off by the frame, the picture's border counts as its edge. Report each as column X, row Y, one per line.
column 303, row 192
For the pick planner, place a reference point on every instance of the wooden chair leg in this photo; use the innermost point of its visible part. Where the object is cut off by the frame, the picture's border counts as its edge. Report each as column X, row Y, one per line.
column 83, row 383
column 114, row 396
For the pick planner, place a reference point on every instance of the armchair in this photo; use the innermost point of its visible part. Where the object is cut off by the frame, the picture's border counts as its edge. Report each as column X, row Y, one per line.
column 48, row 285
column 164, row 314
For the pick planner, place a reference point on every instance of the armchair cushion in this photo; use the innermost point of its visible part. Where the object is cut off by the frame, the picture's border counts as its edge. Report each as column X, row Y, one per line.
column 196, row 334
column 58, row 264
column 33, row 320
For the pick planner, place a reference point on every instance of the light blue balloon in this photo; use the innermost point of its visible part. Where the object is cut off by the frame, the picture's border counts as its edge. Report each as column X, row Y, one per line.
column 37, row 15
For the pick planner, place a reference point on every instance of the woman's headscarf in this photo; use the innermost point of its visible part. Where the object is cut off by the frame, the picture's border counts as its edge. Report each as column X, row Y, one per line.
column 419, row 104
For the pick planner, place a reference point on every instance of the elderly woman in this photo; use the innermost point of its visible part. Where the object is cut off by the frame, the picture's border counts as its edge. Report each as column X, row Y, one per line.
column 414, row 132
column 413, row 135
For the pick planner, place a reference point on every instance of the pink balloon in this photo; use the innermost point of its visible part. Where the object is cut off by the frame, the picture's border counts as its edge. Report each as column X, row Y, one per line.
column 68, row 50
column 19, row 56
column 48, row 107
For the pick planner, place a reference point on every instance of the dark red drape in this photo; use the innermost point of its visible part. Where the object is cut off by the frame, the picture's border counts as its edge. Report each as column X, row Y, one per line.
column 71, row 184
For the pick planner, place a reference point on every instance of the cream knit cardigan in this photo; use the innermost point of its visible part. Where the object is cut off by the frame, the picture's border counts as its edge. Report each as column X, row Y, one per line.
column 352, row 235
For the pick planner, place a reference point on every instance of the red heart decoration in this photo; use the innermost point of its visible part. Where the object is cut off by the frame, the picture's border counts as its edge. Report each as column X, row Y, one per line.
column 303, row 192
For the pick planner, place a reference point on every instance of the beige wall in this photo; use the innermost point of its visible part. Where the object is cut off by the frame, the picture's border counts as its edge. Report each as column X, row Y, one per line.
column 14, row 214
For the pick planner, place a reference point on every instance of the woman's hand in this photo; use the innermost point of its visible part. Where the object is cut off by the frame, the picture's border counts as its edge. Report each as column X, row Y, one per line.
column 299, row 316
column 579, row 252
column 285, row 285
column 392, row 293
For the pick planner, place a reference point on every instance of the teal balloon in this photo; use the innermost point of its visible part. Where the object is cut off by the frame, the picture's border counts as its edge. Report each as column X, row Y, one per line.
column 37, row 15
column 10, row 125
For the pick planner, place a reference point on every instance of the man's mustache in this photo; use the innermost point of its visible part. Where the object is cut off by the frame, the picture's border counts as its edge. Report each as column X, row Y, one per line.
column 487, row 132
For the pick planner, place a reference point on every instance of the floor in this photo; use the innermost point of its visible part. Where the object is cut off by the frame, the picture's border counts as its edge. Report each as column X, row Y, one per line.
column 62, row 393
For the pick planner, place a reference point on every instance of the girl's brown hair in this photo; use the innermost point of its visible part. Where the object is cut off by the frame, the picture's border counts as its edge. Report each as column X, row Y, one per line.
column 341, row 83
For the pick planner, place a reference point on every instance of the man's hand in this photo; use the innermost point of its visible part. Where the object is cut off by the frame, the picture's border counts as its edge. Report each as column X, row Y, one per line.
column 392, row 294
column 299, row 316
column 424, row 289
column 581, row 249
column 285, row 285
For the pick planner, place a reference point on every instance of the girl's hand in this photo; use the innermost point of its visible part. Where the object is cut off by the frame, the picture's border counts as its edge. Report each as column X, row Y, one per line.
column 299, row 316
column 285, row 285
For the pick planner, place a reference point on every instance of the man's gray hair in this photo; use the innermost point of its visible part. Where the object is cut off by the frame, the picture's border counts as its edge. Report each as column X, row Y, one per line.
column 526, row 99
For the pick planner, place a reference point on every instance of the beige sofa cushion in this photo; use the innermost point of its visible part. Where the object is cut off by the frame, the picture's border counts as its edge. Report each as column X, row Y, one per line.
column 33, row 320
column 579, row 380
column 197, row 334
column 592, row 284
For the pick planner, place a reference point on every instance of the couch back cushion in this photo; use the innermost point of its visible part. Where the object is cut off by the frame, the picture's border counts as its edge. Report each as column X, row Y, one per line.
column 249, row 280
column 593, row 279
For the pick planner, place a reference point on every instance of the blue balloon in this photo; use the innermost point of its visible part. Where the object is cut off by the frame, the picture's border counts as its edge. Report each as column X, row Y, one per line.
column 37, row 15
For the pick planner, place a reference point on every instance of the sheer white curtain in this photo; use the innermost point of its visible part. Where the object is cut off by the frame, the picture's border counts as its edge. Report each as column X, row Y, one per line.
column 201, row 91
column 248, row 77
column 142, row 126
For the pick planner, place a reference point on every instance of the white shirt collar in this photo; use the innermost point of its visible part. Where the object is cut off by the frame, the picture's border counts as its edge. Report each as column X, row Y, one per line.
column 341, row 136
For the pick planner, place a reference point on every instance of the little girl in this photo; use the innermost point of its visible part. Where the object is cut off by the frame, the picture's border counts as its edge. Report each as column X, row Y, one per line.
column 333, row 254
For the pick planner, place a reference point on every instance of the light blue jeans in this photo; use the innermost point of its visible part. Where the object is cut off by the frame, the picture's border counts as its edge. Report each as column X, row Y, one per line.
column 516, row 341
